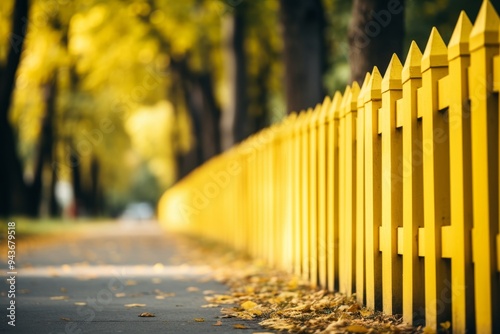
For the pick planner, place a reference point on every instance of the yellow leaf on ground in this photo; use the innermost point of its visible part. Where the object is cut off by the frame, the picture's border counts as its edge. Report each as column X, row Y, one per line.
column 120, row 294
column 240, row 326
column 210, row 305
column 59, row 297
column 199, row 319
column 134, row 305
column 356, row 329
column 147, row 315
column 218, row 323
column 80, row 303
column 192, row 289
column 248, row 305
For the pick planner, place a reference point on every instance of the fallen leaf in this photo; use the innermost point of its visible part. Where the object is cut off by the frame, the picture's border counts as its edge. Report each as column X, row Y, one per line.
column 210, row 305
column 218, row 323
column 64, row 290
column 356, row 329
column 199, row 319
column 248, row 305
column 240, row 326
column 445, row 325
column 65, row 319
column 192, row 289
column 134, row 305
column 130, row 282
column 146, row 315
column 80, row 303
column 59, row 297
column 120, row 294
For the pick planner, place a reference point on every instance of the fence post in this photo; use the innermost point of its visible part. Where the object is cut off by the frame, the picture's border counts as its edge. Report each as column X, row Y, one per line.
column 373, row 191
column 313, row 196
column 342, row 189
column 332, row 192
column 392, row 190
column 297, row 184
column 413, row 207
column 322, row 204
column 436, row 181
column 305, row 190
column 459, row 241
column 483, row 47
column 360, row 193
column 350, row 188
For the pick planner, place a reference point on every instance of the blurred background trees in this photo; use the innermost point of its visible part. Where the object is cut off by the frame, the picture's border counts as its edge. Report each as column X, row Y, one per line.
column 113, row 101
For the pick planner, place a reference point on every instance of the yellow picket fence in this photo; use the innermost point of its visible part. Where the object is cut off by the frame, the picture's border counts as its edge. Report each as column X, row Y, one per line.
column 389, row 190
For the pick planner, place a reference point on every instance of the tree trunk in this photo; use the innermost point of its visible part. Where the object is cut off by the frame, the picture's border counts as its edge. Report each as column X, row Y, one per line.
column 200, row 102
column 234, row 118
column 303, row 33
column 44, row 155
column 376, row 32
column 12, row 187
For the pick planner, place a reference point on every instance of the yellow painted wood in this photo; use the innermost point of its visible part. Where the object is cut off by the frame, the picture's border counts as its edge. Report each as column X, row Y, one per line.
column 332, row 190
column 457, row 243
column 413, row 271
column 360, row 194
column 436, row 181
column 483, row 46
column 392, row 188
column 342, row 189
column 305, row 195
column 373, row 191
column 349, row 224
column 313, row 196
column 297, row 230
column 401, row 240
column 322, row 203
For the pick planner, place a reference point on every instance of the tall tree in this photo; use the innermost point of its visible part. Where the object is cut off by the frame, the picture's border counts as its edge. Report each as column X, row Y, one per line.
column 235, row 114
column 375, row 33
column 303, row 34
column 12, row 188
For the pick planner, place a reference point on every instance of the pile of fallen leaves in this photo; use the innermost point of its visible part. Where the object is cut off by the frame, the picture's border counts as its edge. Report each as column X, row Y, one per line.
column 284, row 302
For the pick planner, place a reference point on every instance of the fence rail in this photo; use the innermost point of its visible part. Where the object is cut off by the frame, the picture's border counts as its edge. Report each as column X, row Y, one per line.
column 389, row 190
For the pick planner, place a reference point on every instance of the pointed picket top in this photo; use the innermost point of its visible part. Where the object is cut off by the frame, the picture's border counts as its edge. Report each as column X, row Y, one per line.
column 333, row 111
column 373, row 90
column 362, row 91
column 436, row 52
column 459, row 41
column 411, row 68
column 299, row 120
column 289, row 122
column 485, row 29
column 352, row 103
column 392, row 76
column 325, row 106
column 313, row 121
column 344, row 101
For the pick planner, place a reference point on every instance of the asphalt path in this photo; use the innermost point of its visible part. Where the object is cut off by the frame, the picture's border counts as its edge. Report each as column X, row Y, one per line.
column 100, row 281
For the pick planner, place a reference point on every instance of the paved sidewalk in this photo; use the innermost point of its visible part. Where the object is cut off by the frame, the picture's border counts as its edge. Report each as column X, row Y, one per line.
column 99, row 282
